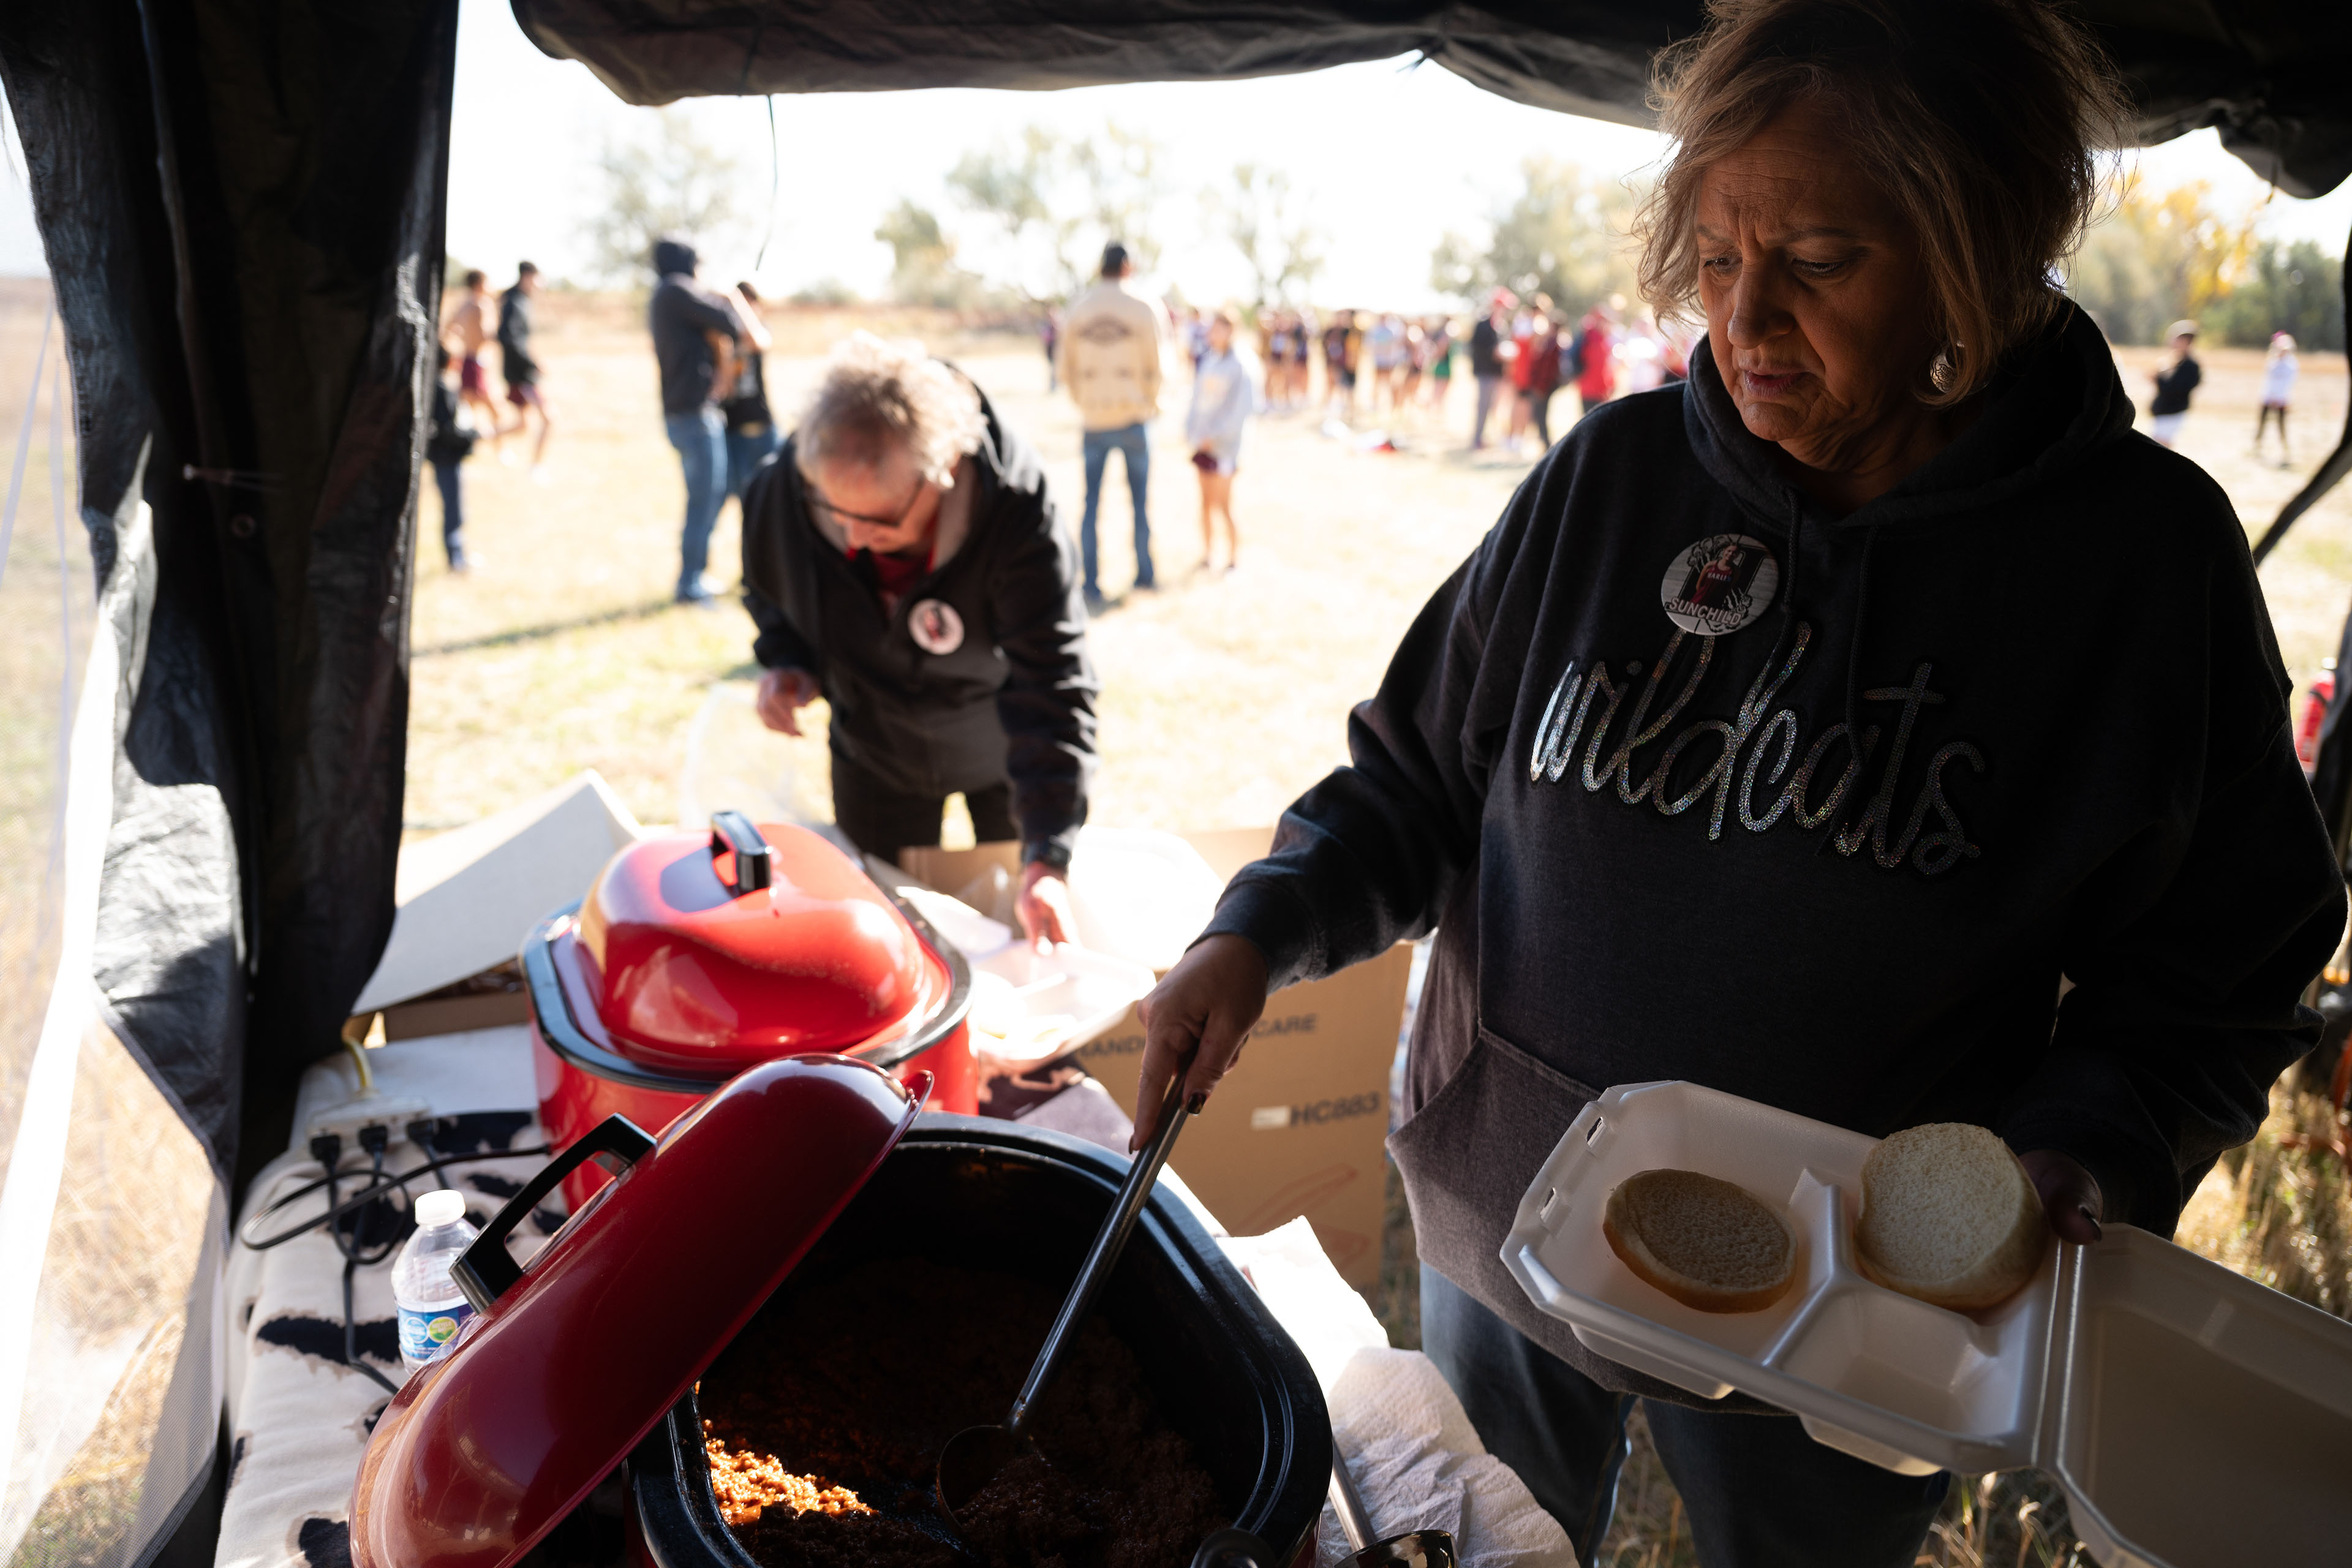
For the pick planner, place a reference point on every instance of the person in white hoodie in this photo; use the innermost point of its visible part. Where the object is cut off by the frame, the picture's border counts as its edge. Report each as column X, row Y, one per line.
column 2279, row 371
column 1109, row 353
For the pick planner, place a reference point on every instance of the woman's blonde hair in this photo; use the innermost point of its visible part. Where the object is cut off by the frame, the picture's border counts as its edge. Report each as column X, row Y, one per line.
column 878, row 395
column 1982, row 120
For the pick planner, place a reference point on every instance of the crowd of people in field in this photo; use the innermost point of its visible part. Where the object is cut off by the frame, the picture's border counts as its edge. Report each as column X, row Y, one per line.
column 1518, row 354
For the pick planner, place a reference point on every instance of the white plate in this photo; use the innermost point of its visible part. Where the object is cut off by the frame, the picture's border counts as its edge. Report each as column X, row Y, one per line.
column 2192, row 1416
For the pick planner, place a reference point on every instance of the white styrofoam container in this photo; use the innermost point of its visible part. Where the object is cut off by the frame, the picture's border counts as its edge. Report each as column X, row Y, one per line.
column 2193, row 1417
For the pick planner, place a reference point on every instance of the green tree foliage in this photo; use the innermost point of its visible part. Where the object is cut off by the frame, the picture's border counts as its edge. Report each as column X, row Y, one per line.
column 1056, row 202
column 2160, row 256
column 923, row 269
column 2156, row 257
column 1564, row 234
column 667, row 179
column 2297, row 288
column 1266, row 221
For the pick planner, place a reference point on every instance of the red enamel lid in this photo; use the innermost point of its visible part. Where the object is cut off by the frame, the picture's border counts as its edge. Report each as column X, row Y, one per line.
column 563, row 1368
column 707, row 954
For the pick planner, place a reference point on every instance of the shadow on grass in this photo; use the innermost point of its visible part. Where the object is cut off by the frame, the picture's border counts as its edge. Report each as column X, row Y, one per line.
column 638, row 611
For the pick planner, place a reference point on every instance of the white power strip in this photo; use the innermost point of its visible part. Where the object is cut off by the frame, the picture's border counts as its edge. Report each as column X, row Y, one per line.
column 392, row 1112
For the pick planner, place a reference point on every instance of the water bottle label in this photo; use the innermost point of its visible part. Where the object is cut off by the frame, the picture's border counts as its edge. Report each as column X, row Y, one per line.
column 426, row 1333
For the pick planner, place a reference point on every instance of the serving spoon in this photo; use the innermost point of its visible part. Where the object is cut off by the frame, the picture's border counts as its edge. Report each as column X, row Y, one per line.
column 978, row 1455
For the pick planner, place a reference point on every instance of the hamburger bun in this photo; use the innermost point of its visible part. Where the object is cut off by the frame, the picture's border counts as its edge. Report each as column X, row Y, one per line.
column 1708, row 1243
column 1950, row 1215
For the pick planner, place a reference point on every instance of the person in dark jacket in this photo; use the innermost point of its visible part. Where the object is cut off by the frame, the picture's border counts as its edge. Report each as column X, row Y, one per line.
column 752, row 434
column 2169, row 409
column 447, row 444
column 1487, row 341
column 698, row 340
column 903, row 559
column 520, row 365
column 1771, row 741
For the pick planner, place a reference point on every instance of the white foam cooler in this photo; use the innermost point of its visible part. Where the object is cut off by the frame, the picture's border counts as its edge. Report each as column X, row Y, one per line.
column 2194, row 1418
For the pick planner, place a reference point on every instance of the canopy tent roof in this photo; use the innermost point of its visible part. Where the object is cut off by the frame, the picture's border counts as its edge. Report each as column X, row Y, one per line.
column 2271, row 76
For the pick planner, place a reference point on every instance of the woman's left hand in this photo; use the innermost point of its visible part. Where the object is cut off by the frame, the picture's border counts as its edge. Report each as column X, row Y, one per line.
column 2070, row 1195
column 1044, row 905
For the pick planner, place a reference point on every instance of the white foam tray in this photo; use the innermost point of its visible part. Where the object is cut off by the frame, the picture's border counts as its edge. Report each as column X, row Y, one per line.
column 2192, row 1416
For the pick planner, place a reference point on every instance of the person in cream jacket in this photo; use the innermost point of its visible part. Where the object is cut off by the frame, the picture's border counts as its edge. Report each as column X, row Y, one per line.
column 1110, row 360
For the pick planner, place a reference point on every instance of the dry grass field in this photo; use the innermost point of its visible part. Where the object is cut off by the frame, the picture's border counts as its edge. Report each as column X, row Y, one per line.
column 46, row 615
column 1224, row 696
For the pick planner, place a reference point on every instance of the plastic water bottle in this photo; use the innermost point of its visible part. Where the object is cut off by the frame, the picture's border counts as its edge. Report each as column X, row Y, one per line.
column 432, row 1308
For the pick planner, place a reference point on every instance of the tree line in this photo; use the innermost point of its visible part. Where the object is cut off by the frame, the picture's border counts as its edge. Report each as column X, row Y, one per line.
column 2153, row 258
column 1026, row 218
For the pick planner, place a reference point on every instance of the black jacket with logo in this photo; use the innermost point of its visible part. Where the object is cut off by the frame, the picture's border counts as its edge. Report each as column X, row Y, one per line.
column 1011, row 694
column 1648, row 853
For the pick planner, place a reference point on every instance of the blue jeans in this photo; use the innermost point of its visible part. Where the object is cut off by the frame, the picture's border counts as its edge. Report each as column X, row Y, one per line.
column 1761, row 1493
column 745, row 452
column 453, row 508
column 1136, row 448
column 700, row 439
column 1488, row 386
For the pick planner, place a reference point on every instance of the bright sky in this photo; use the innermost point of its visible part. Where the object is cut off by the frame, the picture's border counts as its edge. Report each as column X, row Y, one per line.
column 1392, row 156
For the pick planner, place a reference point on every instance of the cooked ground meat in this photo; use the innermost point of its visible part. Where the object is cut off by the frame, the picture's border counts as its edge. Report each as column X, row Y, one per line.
column 857, row 1384
column 746, row 1484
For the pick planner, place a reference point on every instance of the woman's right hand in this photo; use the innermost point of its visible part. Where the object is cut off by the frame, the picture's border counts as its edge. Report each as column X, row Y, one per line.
column 782, row 694
column 1203, row 1008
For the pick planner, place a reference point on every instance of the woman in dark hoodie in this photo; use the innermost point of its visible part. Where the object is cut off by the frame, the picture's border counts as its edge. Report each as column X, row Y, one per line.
column 1797, row 729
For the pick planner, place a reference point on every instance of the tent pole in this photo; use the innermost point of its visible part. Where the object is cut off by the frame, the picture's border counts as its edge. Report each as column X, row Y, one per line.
column 2339, row 461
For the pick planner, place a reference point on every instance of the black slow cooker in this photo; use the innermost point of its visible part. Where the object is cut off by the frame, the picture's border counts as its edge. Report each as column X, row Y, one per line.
column 994, row 1196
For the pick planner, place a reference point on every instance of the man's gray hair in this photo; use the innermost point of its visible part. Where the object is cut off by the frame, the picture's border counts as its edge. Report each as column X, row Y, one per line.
column 878, row 395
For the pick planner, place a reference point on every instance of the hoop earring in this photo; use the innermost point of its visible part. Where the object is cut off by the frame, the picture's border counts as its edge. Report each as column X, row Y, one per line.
column 1942, row 373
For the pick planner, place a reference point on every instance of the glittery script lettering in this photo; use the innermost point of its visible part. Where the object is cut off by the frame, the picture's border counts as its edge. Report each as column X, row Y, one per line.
column 1583, row 707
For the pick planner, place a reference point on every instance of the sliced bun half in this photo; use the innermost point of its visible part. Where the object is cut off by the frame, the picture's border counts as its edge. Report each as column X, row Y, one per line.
column 1706, row 1243
column 1950, row 1215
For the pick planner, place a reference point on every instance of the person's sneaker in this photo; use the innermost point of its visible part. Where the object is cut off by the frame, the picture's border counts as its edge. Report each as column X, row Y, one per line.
column 1095, row 602
column 697, row 594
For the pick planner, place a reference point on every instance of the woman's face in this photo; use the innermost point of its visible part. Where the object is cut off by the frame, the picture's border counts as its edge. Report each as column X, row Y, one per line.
column 1221, row 334
column 1817, row 305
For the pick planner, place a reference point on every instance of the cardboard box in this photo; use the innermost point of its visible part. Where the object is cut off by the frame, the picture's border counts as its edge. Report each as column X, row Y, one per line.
column 465, row 898
column 1299, row 1125
column 443, row 1014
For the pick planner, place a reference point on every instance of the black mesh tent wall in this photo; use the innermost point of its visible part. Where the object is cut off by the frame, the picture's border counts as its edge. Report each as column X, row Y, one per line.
column 241, row 208
column 241, row 204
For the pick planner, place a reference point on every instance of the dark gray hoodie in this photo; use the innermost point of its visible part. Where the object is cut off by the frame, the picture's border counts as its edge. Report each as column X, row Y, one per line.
column 1649, row 852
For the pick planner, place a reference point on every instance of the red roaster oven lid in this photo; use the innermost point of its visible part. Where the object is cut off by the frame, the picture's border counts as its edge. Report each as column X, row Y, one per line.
column 702, row 957
column 483, row 1451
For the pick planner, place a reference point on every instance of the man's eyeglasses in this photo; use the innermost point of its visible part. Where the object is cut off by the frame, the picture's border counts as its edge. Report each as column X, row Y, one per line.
column 816, row 499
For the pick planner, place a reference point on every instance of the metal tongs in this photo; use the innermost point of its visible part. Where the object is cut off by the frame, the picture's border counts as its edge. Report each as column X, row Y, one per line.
column 978, row 1455
column 1414, row 1548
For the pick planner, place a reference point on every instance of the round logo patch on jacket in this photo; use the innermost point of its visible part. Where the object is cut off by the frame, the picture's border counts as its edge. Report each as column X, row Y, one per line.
column 1720, row 583
column 935, row 625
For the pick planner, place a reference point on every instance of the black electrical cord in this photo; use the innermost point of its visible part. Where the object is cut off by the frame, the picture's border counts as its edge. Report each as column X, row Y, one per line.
column 350, row 1331
column 336, row 1210
column 365, row 1207
column 328, row 1150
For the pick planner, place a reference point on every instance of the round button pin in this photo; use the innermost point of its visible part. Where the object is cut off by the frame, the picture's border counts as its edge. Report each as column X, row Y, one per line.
column 935, row 625
column 1720, row 583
